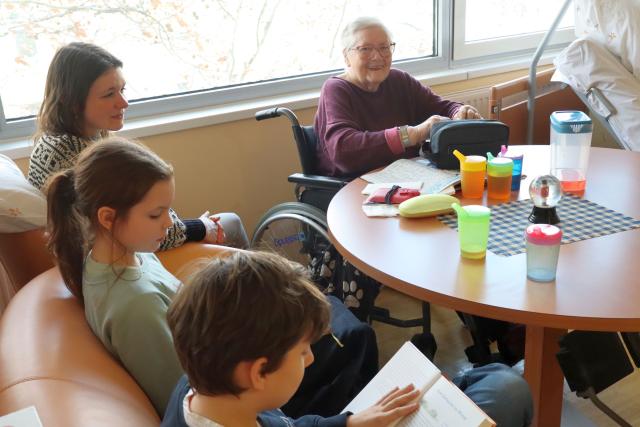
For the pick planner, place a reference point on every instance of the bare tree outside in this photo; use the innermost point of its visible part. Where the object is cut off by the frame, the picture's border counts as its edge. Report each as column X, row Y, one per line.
column 171, row 46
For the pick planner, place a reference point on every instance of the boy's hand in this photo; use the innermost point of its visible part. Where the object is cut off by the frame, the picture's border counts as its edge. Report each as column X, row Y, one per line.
column 393, row 406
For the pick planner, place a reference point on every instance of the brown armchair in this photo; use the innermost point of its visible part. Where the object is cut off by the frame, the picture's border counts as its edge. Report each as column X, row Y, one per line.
column 49, row 357
column 22, row 257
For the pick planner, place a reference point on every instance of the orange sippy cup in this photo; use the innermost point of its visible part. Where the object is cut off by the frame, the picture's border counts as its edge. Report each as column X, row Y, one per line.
column 472, row 169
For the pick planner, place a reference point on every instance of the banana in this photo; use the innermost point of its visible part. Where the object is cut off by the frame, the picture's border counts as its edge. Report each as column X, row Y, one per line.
column 427, row 205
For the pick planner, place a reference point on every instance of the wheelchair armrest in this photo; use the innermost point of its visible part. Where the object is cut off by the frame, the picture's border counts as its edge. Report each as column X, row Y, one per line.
column 318, row 181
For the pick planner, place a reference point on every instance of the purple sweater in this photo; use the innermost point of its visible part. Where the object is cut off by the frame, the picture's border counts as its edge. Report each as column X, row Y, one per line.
column 351, row 123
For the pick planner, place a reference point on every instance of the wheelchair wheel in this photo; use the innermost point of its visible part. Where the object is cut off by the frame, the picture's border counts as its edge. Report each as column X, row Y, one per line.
column 294, row 230
column 297, row 207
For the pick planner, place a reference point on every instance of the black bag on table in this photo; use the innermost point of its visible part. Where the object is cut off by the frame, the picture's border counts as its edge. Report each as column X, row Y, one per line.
column 470, row 137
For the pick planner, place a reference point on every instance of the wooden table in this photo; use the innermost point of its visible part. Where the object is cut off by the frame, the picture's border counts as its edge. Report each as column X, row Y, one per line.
column 597, row 285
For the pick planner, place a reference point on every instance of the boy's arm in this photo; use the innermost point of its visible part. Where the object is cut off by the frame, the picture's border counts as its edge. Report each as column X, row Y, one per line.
column 390, row 409
column 277, row 418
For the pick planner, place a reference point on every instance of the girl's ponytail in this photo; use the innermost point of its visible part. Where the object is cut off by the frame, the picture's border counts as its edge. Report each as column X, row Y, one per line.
column 67, row 238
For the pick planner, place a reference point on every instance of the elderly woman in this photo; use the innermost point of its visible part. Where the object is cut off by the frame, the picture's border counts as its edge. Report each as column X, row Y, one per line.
column 371, row 114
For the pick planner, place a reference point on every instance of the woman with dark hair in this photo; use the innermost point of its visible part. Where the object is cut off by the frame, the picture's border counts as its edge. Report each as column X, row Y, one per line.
column 83, row 101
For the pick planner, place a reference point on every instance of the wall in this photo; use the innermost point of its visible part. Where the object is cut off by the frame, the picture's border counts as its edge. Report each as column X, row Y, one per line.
column 242, row 166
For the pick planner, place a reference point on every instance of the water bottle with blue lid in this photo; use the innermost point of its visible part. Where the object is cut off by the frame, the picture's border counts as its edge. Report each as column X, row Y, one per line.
column 570, row 144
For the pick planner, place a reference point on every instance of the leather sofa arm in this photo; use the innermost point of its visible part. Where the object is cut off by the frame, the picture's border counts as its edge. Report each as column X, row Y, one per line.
column 182, row 260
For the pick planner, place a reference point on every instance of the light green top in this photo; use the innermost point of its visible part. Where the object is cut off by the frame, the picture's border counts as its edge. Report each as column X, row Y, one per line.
column 500, row 166
column 127, row 310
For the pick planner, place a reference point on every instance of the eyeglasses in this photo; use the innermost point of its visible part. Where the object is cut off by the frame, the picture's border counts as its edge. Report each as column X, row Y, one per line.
column 367, row 51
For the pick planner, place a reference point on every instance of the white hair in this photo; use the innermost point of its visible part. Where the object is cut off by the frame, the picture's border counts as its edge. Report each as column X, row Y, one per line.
column 359, row 24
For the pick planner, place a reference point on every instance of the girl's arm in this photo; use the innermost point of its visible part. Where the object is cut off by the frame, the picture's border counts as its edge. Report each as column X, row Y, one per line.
column 182, row 231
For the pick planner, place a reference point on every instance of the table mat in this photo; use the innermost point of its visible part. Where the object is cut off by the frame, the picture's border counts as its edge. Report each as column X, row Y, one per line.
column 580, row 219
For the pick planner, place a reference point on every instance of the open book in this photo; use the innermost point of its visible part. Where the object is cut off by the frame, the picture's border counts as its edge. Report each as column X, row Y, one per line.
column 442, row 404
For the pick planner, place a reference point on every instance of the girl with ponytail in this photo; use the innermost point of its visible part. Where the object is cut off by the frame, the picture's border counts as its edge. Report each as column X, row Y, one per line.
column 107, row 215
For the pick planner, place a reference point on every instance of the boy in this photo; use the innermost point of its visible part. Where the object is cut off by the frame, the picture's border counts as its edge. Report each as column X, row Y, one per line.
column 242, row 330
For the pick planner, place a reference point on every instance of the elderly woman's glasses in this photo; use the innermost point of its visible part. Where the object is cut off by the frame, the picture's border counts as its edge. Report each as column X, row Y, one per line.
column 367, row 51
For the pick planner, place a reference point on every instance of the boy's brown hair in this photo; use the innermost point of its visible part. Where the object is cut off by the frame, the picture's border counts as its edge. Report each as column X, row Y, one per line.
column 241, row 308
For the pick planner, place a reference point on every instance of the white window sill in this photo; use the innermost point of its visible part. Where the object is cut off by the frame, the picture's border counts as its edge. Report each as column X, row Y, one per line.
column 189, row 119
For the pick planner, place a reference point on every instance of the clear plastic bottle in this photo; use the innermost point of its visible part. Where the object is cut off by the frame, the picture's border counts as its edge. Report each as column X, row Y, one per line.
column 543, row 248
column 570, row 144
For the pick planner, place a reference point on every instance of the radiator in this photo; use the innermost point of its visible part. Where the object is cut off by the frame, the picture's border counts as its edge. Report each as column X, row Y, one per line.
column 478, row 98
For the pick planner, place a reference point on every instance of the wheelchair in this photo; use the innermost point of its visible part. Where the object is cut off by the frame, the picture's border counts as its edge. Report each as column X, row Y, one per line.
column 298, row 231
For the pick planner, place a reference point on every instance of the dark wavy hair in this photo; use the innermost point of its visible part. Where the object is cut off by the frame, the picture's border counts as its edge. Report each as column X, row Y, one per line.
column 72, row 71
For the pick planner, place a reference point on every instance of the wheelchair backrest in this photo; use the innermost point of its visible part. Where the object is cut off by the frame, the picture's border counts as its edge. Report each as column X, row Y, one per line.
column 307, row 142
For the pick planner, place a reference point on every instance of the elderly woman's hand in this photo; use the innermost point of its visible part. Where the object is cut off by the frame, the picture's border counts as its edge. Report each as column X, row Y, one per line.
column 417, row 134
column 467, row 112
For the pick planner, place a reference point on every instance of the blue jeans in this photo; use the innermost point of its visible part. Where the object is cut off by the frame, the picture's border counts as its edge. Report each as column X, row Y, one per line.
column 234, row 231
column 501, row 392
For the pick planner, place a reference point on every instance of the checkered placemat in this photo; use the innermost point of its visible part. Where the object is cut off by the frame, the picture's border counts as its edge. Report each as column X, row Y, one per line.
column 580, row 220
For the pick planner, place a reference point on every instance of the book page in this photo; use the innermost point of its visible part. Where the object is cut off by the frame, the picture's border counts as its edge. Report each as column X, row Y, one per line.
column 407, row 366
column 27, row 417
column 434, row 180
column 445, row 405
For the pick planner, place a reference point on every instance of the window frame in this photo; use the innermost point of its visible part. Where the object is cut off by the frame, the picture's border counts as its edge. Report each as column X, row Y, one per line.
column 500, row 47
column 174, row 107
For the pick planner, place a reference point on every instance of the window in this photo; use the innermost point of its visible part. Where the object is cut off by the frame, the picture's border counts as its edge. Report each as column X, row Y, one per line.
column 171, row 47
column 180, row 55
column 490, row 27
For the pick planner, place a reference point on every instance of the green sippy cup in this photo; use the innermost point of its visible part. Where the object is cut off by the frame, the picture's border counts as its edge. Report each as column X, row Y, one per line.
column 473, row 229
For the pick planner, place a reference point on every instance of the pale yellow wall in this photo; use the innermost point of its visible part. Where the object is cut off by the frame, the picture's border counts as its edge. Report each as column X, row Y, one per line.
column 243, row 166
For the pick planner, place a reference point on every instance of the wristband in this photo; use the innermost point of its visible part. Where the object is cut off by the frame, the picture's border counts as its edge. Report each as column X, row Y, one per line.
column 404, row 136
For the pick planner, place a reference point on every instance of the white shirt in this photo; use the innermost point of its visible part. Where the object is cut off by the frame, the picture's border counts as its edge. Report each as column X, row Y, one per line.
column 195, row 420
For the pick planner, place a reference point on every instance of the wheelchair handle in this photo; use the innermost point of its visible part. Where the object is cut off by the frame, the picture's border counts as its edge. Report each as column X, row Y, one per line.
column 277, row 112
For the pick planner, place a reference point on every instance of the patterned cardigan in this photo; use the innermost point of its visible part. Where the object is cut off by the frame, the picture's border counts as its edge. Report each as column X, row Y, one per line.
column 53, row 153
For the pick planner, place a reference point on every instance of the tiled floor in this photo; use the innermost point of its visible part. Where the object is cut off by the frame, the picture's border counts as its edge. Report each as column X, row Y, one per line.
column 453, row 338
